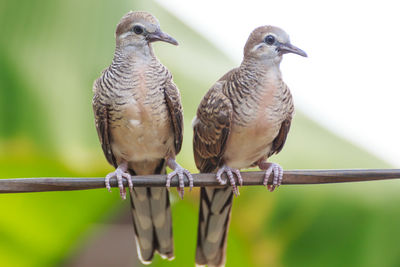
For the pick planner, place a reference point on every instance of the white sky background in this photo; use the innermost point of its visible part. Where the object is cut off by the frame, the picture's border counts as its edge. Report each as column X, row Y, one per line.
column 350, row 81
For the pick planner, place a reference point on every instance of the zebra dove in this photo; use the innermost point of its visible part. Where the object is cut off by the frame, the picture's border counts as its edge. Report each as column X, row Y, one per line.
column 139, row 121
column 241, row 121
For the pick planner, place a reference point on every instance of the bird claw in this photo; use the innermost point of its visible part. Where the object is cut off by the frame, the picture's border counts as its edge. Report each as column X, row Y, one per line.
column 180, row 172
column 277, row 179
column 229, row 172
column 119, row 174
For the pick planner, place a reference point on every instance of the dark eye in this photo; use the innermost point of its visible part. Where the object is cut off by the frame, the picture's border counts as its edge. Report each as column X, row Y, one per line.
column 269, row 39
column 137, row 29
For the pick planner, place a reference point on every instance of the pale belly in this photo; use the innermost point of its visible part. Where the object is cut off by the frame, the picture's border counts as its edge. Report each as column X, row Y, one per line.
column 247, row 145
column 142, row 135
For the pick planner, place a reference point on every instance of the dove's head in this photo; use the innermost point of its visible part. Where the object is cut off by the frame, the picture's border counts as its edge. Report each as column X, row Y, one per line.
column 269, row 43
column 139, row 29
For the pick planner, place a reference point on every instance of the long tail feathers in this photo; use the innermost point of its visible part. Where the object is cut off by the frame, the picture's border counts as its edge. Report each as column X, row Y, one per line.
column 152, row 221
column 214, row 217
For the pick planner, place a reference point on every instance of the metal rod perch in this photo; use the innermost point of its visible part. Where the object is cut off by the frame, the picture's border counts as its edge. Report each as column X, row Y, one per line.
column 24, row 185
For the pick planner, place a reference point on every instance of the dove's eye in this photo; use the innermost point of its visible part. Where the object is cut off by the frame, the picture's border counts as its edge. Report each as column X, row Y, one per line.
column 138, row 29
column 269, row 39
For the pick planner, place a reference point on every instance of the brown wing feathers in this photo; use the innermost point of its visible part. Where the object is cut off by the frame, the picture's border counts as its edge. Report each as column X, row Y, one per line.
column 174, row 105
column 102, row 127
column 280, row 139
column 212, row 128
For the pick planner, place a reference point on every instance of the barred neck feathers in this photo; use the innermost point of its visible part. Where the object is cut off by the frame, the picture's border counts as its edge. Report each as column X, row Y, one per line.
column 127, row 70
column 127, row 66
column 251, row 77
column 246, row 87
column 257, row 69
column 129, row 55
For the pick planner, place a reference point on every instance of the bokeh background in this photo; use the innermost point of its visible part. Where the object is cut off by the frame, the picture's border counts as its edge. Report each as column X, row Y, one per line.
column 50, row 54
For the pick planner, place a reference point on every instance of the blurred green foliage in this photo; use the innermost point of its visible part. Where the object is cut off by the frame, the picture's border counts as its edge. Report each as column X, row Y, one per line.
column 50, row 54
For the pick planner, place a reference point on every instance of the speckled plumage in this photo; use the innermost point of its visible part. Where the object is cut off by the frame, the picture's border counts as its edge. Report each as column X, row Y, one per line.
column 139, row 120
column 241, row 121
column 135, row 96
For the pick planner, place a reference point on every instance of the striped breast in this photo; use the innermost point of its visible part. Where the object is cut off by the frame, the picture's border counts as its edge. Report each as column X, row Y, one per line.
column 140, row 124
column 260, row 107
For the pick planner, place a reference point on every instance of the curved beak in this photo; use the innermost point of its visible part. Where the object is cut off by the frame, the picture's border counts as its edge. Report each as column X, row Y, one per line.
column 289, row 48
column 160, row 36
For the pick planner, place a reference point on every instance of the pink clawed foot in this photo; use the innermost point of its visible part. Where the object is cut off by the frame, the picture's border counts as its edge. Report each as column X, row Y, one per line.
column 277, row 178
column 180, row 172
column 119, row 173
column 229, row 172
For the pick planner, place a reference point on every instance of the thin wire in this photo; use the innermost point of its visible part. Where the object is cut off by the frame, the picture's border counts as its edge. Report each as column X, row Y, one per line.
column 24, row 185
